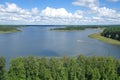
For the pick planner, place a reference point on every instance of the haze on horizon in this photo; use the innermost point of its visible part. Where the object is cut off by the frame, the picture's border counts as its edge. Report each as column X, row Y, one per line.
column 59, row 12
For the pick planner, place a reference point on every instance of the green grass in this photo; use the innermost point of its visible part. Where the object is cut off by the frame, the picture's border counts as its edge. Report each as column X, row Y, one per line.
column 104, row 39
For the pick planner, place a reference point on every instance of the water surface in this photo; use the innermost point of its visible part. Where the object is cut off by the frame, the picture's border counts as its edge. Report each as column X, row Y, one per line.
column 40, row 41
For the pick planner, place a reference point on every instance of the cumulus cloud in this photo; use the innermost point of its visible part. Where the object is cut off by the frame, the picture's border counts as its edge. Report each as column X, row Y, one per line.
column 11, row 13
column 35, row 11
column 60, row 16
column 106, row 12
column 86, row 3
column 60, row 13
column 12, row 8
column 102, row 13
column 55, row 13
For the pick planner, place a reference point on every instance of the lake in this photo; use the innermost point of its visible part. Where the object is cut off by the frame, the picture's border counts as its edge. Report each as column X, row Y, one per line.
column 40, row 41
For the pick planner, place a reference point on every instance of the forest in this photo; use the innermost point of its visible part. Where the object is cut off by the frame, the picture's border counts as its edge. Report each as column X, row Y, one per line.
column 112, row 32
column 83, row 27
column 69, row 28
column 61, row 68
column 6, row 28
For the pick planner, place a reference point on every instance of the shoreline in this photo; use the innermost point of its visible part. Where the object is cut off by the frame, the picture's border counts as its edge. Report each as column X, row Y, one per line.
column 5, row 32
column 104, row 39
column 65, row 30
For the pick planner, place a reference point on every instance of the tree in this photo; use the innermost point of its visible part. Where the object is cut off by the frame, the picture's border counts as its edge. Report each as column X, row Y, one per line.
column 31, row 68
column 17, row 70
column 2, row 70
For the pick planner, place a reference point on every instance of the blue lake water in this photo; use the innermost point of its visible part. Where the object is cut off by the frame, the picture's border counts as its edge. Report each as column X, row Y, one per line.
column 40, row 41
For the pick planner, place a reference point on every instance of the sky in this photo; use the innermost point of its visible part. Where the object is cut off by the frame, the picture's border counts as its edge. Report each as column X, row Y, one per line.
column 59, row 12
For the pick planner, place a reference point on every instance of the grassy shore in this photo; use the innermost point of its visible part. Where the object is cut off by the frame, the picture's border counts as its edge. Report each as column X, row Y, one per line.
column 104, row 39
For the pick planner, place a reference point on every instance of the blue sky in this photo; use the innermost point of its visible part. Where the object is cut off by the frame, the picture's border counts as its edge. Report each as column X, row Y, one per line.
column 60, row 12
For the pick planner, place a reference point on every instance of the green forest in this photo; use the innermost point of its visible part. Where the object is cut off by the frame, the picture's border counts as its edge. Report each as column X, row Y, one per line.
column 70, row 28
column 7, row 28
column 112, row 32
column 61, row 68
column 83, row 27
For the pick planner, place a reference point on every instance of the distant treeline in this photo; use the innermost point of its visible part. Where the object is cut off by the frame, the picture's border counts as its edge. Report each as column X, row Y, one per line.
column 64, row 68
column 100, row 26
column 70, row 28
column 82, row 27
column 8, row 28
column 92, row 26
column 112, row 32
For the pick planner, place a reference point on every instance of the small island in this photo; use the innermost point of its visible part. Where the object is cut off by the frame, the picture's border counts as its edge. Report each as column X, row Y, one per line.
column 69, row 28
column 8, row 29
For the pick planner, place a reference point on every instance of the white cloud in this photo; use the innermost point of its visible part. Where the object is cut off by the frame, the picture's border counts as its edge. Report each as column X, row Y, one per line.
column 11, row 13
column 1, row 8
column 101, row 13
column 55, row 13
column 35, row 11
column 78, row 14
column 92, row 4
column 86, row 3
column 60, row 16
column 11, row 7
column 106, row 12
column 60, row 13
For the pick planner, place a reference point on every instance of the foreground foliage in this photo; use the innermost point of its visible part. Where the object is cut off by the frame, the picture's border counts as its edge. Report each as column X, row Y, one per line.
column 80, row 68
column 2, row 70
column 112, row 32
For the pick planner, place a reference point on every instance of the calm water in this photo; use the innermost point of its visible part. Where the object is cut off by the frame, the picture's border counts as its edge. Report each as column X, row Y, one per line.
column 39, row 41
